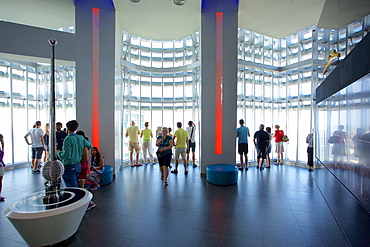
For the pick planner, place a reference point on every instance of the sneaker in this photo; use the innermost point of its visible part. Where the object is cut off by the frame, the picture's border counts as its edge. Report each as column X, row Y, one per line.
column 91, row 205
column 2, row 198
column 153, row 163
column 95, row 187
column 246, row 168
column 195, row 165
column 240, row 169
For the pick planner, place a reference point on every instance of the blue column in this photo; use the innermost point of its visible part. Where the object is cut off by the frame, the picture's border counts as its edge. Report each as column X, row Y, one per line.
column 219, row 34
column 95, row 70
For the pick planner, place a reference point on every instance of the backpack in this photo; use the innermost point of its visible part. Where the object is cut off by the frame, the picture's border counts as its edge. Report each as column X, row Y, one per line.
column 285, row 138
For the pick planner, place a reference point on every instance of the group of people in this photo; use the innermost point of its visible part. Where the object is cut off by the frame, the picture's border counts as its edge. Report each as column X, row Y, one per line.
column 71, row 148
column 262, row 142
column 182, row 140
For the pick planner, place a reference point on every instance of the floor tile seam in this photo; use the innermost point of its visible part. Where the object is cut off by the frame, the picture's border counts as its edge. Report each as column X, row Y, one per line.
column 246, row 236
column 13, row 240
column 333, row 215
column 107, row 234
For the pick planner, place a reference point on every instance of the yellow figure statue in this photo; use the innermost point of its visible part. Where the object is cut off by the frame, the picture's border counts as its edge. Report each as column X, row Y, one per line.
column 332, row 56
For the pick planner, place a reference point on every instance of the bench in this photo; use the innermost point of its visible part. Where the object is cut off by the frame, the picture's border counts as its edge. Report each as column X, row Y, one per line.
column 222, row 174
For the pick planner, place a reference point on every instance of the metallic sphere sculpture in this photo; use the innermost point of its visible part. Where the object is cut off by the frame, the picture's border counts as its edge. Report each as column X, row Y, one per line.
column 52, row 170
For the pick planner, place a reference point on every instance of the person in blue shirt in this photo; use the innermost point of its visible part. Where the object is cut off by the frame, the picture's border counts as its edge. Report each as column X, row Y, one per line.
column 242, row 133
column 164, row 143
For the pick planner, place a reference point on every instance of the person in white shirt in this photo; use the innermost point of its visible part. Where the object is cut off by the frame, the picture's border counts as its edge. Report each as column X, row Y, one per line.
column 191, row 145
column 37, row 141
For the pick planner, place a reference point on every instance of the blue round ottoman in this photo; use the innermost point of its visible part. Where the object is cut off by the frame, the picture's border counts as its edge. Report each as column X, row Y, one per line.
column 222, row 174
column 107, row 176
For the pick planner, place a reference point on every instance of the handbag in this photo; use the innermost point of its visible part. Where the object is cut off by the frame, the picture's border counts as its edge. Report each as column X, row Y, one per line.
column 285, row 138
column 159, row 153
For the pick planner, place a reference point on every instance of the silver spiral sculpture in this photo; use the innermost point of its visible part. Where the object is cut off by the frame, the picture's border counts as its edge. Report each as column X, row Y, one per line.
column 53, row 169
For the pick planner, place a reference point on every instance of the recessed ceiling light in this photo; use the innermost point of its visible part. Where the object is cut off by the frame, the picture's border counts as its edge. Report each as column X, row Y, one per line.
column 179, row 2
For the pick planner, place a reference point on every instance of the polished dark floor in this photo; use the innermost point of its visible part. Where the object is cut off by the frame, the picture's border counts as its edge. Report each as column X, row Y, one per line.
column 281, row 206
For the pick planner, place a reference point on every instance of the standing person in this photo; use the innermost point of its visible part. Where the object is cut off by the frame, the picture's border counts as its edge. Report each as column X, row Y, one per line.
column 71, row 154
column 37, row 141
column 279, row 148
column 191, row 141
column 147, row 136
column 85, row 167
column 133, row 133
column 60, row 135
column 2, row 166
column 181, row 136
column 357, row 141
column 339, row 147
column 268, row 159
column 46, row 142
column 309, row 140
column 242, row 133
column 164, row 143
column 261, row 141
column 169, row 131
column 97, row 168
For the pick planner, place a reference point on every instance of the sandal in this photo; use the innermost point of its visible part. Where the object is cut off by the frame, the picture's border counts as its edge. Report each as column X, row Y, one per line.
column 165, row 184
column 174, row 171
column 162, row 177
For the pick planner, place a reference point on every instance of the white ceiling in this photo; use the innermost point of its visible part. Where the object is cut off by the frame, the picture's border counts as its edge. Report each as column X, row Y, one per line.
column 162, row 20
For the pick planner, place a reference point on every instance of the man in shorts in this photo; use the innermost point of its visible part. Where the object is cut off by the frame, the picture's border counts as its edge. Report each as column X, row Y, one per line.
column 133, row 133
column 147, row 136
column 242, row 133
column 37, row 141
column 191, row 141
column 180, row 139
column 261, row 140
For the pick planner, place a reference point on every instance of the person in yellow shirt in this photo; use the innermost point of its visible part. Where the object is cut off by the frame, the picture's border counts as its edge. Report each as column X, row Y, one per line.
column 147, row 136
column 133, row 133
column 180, row 139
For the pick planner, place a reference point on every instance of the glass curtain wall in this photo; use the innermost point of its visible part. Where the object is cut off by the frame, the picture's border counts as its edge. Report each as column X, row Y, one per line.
column 346, row 115
column 160, row 83
column 276, row 84
column 24, row 95
column 277, row 79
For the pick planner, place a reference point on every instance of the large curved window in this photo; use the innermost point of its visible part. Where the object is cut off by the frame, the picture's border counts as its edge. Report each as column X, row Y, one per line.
column 24, row 95
column 160, row 82
column 277, row 78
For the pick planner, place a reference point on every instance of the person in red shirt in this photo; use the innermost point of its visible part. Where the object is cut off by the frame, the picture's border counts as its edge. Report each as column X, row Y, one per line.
column 279, row 148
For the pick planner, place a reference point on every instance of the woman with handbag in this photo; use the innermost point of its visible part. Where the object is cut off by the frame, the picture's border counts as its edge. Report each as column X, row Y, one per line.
column 164, row 143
